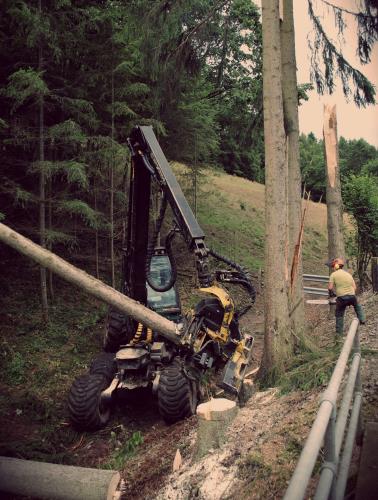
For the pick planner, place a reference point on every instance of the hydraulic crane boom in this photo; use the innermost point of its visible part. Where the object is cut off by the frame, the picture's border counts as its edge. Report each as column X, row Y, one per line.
column 149, row 161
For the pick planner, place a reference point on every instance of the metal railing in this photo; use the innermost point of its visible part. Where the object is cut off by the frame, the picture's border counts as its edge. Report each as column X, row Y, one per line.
column 315, row 278
column 330, row 425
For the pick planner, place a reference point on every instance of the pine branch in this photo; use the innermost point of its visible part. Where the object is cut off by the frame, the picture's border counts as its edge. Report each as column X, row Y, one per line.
column 364, row 91
column 367, row 27
column 343, row 9
column 189, row 33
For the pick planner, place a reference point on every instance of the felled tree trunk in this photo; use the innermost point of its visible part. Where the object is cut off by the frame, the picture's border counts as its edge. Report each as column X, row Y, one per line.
column 89, row 284
column 56, row 482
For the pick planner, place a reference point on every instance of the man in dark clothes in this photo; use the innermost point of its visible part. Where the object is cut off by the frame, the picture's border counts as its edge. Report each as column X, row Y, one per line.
column 342, row 284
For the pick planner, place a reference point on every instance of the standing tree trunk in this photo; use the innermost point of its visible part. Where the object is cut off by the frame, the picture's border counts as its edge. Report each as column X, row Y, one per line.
column 290, row 106
column 278, row 339
column 96, row 232
column 50, row 245
column 42, row 184
column 112, row 187
column 333, row 190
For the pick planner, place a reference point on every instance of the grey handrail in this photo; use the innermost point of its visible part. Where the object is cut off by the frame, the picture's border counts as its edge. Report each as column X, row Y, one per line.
column 315, row 278
column 327, row 428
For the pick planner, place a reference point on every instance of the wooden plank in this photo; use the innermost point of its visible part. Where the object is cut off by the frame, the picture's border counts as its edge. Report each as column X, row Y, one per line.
column 367, row 482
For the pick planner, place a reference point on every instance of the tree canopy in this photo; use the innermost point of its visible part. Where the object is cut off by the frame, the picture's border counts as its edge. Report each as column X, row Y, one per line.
column 192, row 70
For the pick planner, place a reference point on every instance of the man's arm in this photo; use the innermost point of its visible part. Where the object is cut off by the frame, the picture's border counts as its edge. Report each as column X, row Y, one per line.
column 331, row 286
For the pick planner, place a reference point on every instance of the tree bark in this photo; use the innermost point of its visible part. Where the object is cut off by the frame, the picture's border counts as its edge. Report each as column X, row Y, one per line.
column 290, row 106
column 214, row 417
column 277, row 339
column 58, row 482
column 42, row 186
column 374, row 273
column 96, row 233
column 112, row 187
column 334, row 202
column 89, row 284
column 50, row 246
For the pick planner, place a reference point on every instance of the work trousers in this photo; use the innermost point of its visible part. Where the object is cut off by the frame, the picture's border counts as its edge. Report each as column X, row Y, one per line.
column 341, row 304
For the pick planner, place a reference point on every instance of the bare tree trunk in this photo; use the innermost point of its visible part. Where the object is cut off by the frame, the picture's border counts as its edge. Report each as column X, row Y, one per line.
column 50, row 246
column 374, row 273
column 224, row 49
column 112, row 191
column 42, row 182
column 334, row 202
column 96, row 232
column 290, row 105
column 89, row 284
column 278, row 339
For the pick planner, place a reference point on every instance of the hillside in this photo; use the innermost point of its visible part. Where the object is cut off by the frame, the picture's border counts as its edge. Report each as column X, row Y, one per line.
column 231, row 211
column 39, row 363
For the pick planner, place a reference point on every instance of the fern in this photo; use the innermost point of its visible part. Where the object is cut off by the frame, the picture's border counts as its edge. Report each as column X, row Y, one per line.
column 122, row 109
column 80, row 108
column 78, row 207
column 23, row 85
column 53, row 236
column 3, row 124
column 67, row 131
column 135, row 90
column 22, row 197
column 74, row 171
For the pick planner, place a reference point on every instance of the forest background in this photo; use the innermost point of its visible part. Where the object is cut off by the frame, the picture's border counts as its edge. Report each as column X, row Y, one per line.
column 76, row 77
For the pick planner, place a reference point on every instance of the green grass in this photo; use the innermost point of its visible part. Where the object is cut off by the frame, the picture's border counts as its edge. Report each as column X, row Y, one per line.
column 308, row 370
column 123, row 448
column 234, row 222
column 253, row 467
column 39, row 362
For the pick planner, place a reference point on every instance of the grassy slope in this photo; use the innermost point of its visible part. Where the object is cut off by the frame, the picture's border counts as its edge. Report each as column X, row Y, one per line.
column 38, row 363
column 231, row 212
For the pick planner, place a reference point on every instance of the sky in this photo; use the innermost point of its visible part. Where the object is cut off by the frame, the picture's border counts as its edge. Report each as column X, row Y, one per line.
column 352, row 122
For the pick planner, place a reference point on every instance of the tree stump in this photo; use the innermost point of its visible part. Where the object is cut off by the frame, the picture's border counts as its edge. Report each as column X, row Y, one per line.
column 214, row 418
column 56, row 482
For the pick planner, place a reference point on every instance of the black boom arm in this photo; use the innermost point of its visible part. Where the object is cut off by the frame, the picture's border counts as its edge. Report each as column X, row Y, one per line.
column 147, row 156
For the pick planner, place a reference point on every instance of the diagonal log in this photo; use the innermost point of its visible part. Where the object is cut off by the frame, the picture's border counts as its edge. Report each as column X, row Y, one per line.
column 89, row 284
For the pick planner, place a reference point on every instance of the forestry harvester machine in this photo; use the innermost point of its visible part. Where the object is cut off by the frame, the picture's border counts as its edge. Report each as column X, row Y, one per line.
column 207, row 338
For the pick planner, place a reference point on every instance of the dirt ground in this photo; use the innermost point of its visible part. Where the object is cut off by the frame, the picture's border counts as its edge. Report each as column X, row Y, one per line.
column 263, row 442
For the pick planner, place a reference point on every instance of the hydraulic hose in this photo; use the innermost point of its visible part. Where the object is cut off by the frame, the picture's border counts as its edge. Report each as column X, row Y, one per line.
column 242, row 278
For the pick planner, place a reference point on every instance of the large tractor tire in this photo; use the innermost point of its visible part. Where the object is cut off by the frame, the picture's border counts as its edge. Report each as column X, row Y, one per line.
column 118, row 330
column 84, row 407
column 177, row 394
column 105, row 365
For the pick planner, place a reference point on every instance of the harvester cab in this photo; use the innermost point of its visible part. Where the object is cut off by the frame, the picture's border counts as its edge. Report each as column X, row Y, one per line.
column 209, row 336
